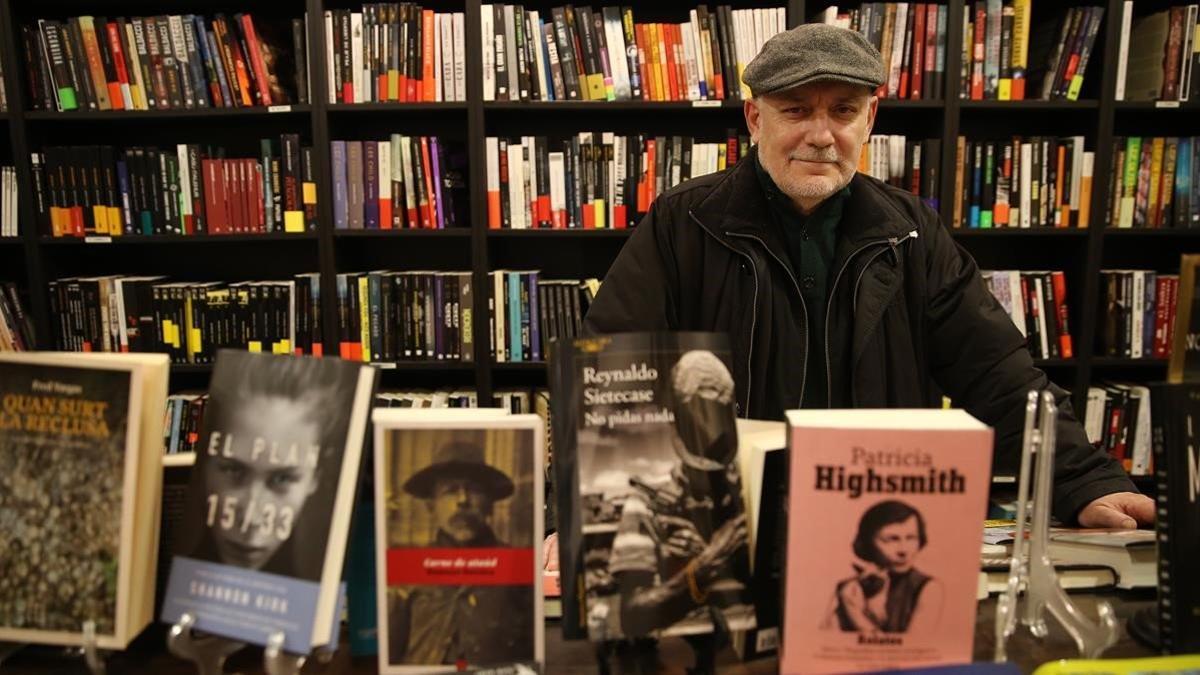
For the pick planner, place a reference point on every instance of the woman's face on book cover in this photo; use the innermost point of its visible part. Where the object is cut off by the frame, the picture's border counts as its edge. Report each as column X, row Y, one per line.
column 899, row 543
column 263, row 484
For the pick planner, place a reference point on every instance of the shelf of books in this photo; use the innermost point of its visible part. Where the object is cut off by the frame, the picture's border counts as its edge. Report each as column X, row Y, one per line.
column 327, row 143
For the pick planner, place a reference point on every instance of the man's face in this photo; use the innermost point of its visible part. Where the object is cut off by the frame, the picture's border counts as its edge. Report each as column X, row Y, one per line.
column 899, row 543
column 461, row 509
column 809, row 138
column 257, row 493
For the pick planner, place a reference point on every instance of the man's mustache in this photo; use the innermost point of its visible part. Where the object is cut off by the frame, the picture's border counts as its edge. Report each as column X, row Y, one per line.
column 829, row 155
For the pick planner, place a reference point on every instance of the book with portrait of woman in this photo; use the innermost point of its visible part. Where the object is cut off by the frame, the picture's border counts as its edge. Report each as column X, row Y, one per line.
column 892, row 500
column 263, row 538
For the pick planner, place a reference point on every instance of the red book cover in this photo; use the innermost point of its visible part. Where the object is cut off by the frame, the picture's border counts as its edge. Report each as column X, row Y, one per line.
column 214, row 196
column 428, row 34
column 917, row 62
column 1059, row 285
column 639, row 32
column 668, row 43
column 893, row 501
column 256, row 59
column 978, row 51
column 458, row 540
column 428, row 206
column 118, row 54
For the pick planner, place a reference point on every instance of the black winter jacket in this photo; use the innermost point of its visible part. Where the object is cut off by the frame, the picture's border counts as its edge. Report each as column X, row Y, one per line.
column 909, row 316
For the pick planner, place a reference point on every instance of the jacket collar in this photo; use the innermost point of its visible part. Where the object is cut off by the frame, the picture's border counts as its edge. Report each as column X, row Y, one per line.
column 737, row 205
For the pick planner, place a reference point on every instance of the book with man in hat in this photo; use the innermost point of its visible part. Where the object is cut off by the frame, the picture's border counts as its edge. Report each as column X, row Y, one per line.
column 458, row 513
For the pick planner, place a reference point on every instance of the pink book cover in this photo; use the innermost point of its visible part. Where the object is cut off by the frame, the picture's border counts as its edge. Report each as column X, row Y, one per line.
column 886, row 576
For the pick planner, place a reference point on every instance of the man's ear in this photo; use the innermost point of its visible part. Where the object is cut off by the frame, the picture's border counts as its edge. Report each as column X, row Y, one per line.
column 751, row 111
column 872, row 108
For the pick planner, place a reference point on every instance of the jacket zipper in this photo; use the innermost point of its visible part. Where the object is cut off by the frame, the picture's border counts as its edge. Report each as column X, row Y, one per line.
column 753, row 312
column 892, row 243
column 803, row 306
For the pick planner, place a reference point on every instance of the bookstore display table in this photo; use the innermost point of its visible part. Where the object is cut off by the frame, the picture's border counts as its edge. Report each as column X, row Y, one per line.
column 576, row 658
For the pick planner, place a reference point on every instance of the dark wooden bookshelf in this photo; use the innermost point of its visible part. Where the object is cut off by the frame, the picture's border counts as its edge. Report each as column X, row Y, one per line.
column 34, row 259
column 1155, row 232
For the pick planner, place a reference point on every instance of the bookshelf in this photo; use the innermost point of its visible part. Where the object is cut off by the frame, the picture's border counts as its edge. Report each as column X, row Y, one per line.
column 34, row 259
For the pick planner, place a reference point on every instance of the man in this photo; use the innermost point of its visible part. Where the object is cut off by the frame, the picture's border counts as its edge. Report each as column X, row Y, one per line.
column 836, row 289
column 680, row 547
column 475, row 625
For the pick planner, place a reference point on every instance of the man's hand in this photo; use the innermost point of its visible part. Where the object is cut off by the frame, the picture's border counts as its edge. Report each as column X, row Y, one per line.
column 1119, row 509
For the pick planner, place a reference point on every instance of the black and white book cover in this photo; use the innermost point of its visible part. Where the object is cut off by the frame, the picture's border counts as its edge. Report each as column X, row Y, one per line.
column 80, row 443
column 458, row 514
column 1177, row 467
column 263, row 537
column 652, row 527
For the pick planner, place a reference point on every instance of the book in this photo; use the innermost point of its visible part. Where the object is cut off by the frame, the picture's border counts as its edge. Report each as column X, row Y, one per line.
column 762, row 459
column 1177, row 467
column 262, row 542
column 458, row 513
column 893, row 498
column 652, row 527
column 1184, row 364
column 81, row 443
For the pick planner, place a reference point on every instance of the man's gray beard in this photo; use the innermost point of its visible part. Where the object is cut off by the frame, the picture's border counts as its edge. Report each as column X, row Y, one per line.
column 810, row 189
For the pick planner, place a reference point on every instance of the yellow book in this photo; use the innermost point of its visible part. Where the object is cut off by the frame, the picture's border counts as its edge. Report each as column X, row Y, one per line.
column 364, row 318
column 1156, row 160
column 601, row 213
column 655, row 66
column 100, row 217
column 1020, row 47
column 115, row 223
column 193, row 332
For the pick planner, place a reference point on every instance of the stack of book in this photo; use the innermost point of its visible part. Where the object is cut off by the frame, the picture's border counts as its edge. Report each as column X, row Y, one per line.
column 183, row 422
column 911, row 38
column 581, row 54
column 528, row 312
column 1154, row 182
column 911, row 165
column 189, row 321
column 593, row 180
column 165, row 62
column 1037, row 303
column 1157, row 57
column 386, row 316
column 1137, row 314
column 395, row 52
column 1000, row 41
column 1117, row 420
column 401, row 182
column 192, row 189
column 16, row 326
column 1034, row 181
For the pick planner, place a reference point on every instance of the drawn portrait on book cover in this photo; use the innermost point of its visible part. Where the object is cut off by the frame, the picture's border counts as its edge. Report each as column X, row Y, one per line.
column 268, row 466
column 470, row 490
column 887, row 593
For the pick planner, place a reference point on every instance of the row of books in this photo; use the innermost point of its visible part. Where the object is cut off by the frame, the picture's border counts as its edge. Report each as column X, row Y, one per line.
column 16, row 325
column 1137, row 313
column 1156, row 60
column 395, row 51
column 9, row 196
column 911, row 38
column 164, row 62
column 593, row 179
column 1117, row 419
column 192, row 189
column 1001, row 40
column 910, row 165
column 1035, row 181
column 184, row 417
column 1155, row 182
column 578, row 53
column 188, row 321
column 401, row 182
column 1037, row 303
column 527, row 312
column 386, row 316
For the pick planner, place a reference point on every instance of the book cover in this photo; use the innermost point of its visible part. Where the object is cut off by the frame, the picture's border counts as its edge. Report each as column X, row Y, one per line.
column 893, row 500
column 268, row 507
column 81, row 441
column 652, row 527
column 1177, row 465
column 458, row 513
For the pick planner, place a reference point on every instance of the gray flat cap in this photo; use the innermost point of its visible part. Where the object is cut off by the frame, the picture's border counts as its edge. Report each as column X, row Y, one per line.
column 814, row 52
